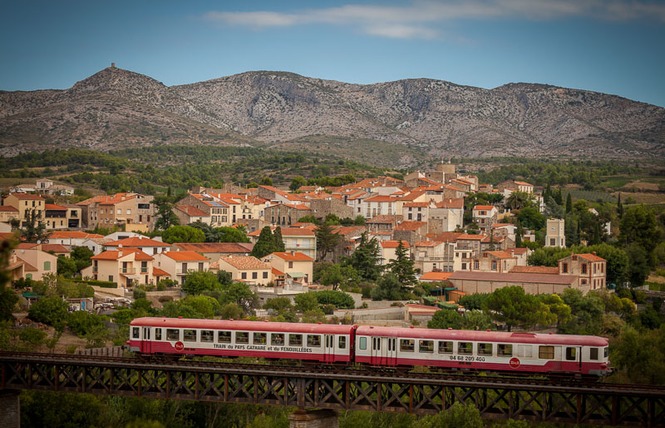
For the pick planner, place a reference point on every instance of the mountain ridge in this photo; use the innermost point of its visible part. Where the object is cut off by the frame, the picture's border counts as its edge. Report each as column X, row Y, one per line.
column 412, row 119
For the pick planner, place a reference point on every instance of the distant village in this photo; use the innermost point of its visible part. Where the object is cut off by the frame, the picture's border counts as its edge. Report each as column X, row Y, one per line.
column 424, row 212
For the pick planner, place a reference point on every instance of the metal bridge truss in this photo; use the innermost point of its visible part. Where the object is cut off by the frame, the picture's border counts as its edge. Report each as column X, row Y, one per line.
column 342, row 391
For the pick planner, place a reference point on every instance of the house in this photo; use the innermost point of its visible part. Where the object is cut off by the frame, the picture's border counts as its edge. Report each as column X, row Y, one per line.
column 58, row 217
column 330, row 205
column 286, row 214
column 246, row 269
column 589, row 268
column 509, row 186
column 296, row 266
column 532, row 283
column 295, row 239
column 177, row 264
column 75, row 238
column 494, row 261
column 389, row 250
column 416, row 211
column 25, row 203
column 30, row 261
column 410, row 231
column 8, row 213
column 446, row 216
column 189, row 214
column 485, row 216
column 382, row 223
column 209, row 209
column 379, row 205
column 555, row 235
column 435, row 276
column 124, row 266
column 433, row 256
column 132, row 211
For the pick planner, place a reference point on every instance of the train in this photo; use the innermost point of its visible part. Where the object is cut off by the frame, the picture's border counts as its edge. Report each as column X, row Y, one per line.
column 373, row 346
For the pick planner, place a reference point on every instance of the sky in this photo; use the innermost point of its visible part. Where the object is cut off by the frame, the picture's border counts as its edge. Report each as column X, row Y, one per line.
column 611, row 46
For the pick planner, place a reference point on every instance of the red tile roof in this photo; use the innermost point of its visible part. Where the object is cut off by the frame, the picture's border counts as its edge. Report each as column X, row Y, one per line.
column 531, row 278
column 245, row 262
column 136, row 242
column 435, row 276
column 410, row 225
column 191, row 211
column 296, row 256
column 215, row 247
column 54, row 207
column 394, row 244
column 118, row 254
column 535, row 269
column 27, row 196
column 483, row 207
column 591, row 257
column 74, row 234
column 159, row 272
column 185, row 256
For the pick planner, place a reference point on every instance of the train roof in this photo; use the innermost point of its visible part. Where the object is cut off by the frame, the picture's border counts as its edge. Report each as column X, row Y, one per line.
column 482, row 336
column 286, row 327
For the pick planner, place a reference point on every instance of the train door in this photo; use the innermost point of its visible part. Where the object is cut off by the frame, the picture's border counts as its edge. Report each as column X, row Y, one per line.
column 146, row 343
column 329, row 348
column 574, row 358
column 384, row 351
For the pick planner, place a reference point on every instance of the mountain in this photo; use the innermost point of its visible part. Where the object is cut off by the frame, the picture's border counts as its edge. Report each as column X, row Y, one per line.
column 394, row 124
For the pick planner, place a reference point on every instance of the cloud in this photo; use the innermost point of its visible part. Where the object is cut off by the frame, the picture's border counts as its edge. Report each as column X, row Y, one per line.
column 423, row 19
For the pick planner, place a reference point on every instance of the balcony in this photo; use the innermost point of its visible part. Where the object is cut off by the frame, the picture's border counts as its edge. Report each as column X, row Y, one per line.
column 128, row 271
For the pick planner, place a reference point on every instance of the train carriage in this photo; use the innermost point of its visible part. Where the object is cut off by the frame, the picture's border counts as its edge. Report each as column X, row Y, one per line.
column 229, row 338
column 482, row 350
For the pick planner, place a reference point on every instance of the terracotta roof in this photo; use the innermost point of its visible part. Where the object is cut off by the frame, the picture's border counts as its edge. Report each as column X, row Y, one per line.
column 192, row 211
column 394, row 244
column 109, row 199
column 5, row 236
column 26, row 246
column 384, row 218
column 296, row 256
column 416, row 204
column 410, row 225
column 590, row 257
column 54, row 207
column 277, row 272
column 499, row 254
column 244, row 262
column 532, row 278
column 427, row 244
column 381, row 198
column 469, row 237
column 535, row 269
column 74, row 234
column 159, row 272
column 118, row 254
column 483, row 207
column 27, row 196
column 452, row 203
column 215, row 247
column 8, row 209
column 55, row 248
column 185, row 256
column 136, row 242
column 294, row 231
column 435, row 276
column 444, row 236
column 523, row 183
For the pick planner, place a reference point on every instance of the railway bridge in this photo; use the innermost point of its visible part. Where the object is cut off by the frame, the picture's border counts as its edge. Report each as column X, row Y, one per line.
column 333, row 389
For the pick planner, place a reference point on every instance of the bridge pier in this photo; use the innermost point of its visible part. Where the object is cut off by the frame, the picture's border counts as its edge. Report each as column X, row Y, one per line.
column 323, row 418
column 10, row 408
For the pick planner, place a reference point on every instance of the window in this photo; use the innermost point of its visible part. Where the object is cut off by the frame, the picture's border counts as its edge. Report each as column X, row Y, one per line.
column 504, row 350
column 47, row 265
column 485, row 349
column 265, row 275
column 564, row 267
column 546, row 352
column 200, row 266
column 446, row 347
column 207, row 336
column 224, row 337
column 158, row 334
column 144, row 267
column 342, row 342
column 189, row 335
column 571, row 354
column 362, row 343
column 135, row 332
column 584, row 268
column 172, row 334
column 314, row 340
column 277, row 339
column 406, row 345
column 295, row 339
column 552, row 242
column 290, row 265
column 426, row 346
column 110, row 278
column 129, row 212
column 242, row 337
column 593, row 354
column 255, row 275
column 465, row 348
column 259, row 338
column 243, row 275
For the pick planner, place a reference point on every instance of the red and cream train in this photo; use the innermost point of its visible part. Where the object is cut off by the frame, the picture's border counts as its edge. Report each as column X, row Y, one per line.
column 373, row 346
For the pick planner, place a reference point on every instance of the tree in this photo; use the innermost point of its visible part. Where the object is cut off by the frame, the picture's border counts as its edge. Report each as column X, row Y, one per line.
column 512, row 306
column 306, row 302
column 232, row 234
column 444, row 319
column 338, row 299
column 645, row 347
column 388, row 288
column 548, row 256
column 619, row 207
column 402, row 266
column 34, row 229
column 569, row 204
column 278, row 241
column 518, row 200
column 639, row 226
column 8, row 297
column 639, row 266
column 265, row 244
column 337, row 276
column 183, row 234
column 165, row 216
column 66, row 266
column 297, row 182
column 531, row 218
column 199, row 281
column 365, row 259
column 327, row 240
column 51, row 310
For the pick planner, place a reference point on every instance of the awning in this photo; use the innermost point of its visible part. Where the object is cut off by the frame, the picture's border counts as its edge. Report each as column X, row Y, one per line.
column 296, row 274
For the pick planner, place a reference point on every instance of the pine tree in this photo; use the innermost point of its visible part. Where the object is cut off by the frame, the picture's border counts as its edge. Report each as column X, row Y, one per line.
column 365, row 259
column 402, row 266
column 326, row 240
column 278, row 241
column 569, row 204
column 619, row 207
column 265, row 244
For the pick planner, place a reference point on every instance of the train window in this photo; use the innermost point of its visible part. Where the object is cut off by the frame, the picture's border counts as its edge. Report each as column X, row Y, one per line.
column 526, row 351
column 606, row 352
column 484, row 349
column 546, row 352
column 242, row 337
column 172, row 334
column 504, row 350
column 260, row 338
column 158, row 334
column 426, row 346
column 277, row 339
column 189, row 335
column 207, row 336
column 465, row 348
column 224, row 337
column 406, row 345
column 295, row 339
column 342, row 342
column 446, row 347
column 314, row 340
column 362, row 343
column 571, row 354
column 135, row 332
column 593, row 354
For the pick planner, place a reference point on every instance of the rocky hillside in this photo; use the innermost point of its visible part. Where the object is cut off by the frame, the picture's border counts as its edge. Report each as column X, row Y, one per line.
column 394, row 124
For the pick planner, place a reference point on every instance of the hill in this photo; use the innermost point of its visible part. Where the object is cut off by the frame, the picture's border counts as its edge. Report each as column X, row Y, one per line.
column 393, row 124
